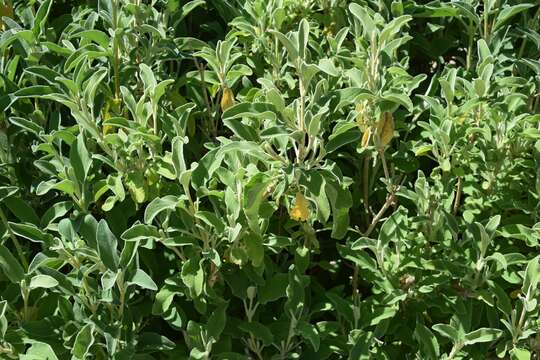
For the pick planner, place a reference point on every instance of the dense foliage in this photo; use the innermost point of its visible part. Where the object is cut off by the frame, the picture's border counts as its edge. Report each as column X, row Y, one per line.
column 269, row 179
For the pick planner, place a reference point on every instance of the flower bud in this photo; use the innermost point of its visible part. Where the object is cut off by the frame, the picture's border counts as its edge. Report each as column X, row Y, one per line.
column 366, row 137
column 227, row 99
column 385, row 128
column 251, row 292
column 300, row 211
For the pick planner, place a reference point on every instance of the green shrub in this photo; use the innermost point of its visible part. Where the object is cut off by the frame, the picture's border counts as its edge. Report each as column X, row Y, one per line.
column 269, row 179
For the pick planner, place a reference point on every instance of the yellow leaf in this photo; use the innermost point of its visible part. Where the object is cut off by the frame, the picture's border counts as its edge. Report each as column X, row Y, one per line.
column 385, row 128
column 108, row 129
column 227, row 100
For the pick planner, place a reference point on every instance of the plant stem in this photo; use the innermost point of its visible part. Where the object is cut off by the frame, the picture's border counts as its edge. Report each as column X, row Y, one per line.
column 521, row 321
column 25, row 302
column 385, row 166
column 454, row 351
column 389, row 201
column 287, row 345
column 365, row 183
column 116, row 51
column 470, row 48
column 458, row 195
column 486, row 19
column 301, row 120
column 355, row 281
column 122, row 301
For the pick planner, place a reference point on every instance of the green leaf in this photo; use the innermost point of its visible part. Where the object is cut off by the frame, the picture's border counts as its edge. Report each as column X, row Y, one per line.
column 41, row 17
column 254, row 249
column 140, row 232
column 193, row 276
column 241, row 130
column 292, row 50
column 56, row 211
column 7, row 191
column 147, row 76
column 80, row 159
column 482, row 335
column 11, row 267
column 509, row 12
column 160, row 88
column 189, row 7
column 88, row 230
column 309, row 332
column 108, row 280
column 362, row 343
column 362, row 15
column 303, row 38
column 254, row 193
column 27, row 125
column 400, row 99
column 213, row 159
column 42, row 281
column 341, row 306
column 250, row 110
column 83, row 341
column 35, row 91
column 129, row 251
column 342, row 139
column 38, row 351
column 152, row 342
column 163, row 300
column 394, row 228
column 520, row 232
column 216, row 321
column 520, row 354
column 143, row 280
column 274, row 288
column 532, row 277
column 97, row 36
column 22, row 210
column 107, row 244
column 393, row 28
column 258, row 330
column 209, row 218
column 341, row 202
column 90, row 87
column 428, row 341
column 158, row 205
column 30, row 232
column 447, row 331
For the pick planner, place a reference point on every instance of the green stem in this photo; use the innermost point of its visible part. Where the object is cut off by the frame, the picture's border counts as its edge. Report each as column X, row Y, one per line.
column 365, row 183
column 290, row 336
column 122, row 290
column 301, row 119
column 486, row 21
column 458, row 195
column 385, row 166
column 116, row 52
column 455, row 349
column 389, row 201
column 25, row 303
column 470, row 48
